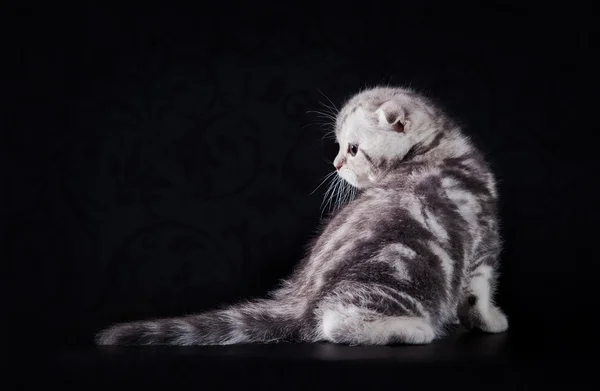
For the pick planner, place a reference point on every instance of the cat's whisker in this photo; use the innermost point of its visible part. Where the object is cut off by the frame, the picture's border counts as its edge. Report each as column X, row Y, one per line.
column 323, row 181
column 349, row 189
column 333, row 106
column 342, row 197
column 328, row 194
column 335, row 194
column 340, row 194
column 330, row 116
column 325, row 114
column 334, row 200
column 330, row 109
column 331, row 201
column 325, row 123
column 348, row 195
column 330, row 135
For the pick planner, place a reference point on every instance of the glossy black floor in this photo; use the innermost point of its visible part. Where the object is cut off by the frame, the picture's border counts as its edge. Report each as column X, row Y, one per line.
column 463, row 360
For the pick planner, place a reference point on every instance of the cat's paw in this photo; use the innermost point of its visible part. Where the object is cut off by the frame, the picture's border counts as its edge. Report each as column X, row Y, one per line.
column 415, row 331
column 493, row 321
column 490, row 318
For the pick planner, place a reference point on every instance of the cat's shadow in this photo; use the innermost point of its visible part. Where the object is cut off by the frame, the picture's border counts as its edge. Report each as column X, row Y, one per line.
column 458, row 343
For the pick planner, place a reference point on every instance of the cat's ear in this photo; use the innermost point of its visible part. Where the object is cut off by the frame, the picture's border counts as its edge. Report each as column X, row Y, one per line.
column 392, row 116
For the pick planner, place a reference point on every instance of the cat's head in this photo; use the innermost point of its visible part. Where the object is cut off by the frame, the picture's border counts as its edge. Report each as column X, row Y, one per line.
column 376, row 129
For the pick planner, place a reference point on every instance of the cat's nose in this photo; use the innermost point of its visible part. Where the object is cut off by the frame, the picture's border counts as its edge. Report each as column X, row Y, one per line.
column 338, row 165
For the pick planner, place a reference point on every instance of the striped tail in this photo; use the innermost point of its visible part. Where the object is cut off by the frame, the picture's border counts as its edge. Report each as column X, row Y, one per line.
column 261, row 321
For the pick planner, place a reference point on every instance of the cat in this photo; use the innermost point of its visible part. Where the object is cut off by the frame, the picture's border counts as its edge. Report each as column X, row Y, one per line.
column 415, row 251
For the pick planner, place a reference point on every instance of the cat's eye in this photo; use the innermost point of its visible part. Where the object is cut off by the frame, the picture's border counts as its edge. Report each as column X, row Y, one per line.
column 352, row 149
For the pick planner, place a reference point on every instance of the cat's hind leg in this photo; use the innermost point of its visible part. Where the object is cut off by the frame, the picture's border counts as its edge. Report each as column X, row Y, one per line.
column 359, row 314
column 476, row 308
column 357, row 326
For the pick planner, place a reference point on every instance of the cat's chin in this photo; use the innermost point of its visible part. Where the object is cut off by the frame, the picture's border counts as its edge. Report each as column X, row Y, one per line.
column 349, row 178
column 358, row 184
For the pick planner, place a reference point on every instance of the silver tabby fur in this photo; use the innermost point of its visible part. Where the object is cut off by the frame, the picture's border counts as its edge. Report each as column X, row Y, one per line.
column 416, row 250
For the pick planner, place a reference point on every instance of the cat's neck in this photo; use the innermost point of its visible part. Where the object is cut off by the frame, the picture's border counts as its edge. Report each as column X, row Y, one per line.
column 438, row 147
column 431, row 153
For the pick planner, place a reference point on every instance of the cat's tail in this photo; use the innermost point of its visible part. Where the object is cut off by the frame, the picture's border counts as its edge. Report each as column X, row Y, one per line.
column 258, row 321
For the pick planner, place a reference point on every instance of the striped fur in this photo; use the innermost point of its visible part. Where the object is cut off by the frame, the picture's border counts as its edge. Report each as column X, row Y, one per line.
column 416, row 250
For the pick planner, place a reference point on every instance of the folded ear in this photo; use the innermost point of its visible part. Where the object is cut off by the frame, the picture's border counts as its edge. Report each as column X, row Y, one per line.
column 392, row 115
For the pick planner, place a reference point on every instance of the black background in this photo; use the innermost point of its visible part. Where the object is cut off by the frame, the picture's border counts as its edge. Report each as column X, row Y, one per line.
column 159, row 160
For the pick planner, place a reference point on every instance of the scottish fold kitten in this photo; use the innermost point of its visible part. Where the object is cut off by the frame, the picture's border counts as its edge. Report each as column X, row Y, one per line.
column 416, row 250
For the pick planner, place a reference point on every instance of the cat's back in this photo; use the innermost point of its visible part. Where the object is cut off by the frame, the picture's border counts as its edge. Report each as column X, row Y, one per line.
column 387, row 213
column 415, row 202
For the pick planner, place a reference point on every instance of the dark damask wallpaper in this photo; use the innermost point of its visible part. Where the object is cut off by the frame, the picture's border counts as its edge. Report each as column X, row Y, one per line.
column 160, row 161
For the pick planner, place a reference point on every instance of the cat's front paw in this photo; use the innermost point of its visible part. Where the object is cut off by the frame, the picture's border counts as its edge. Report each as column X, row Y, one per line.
column 494, row 321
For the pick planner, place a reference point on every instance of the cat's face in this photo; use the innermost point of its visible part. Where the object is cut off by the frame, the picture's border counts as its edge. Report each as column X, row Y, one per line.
column 374, row 130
